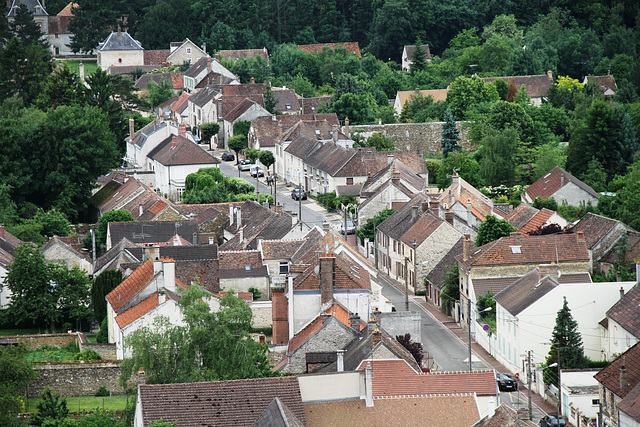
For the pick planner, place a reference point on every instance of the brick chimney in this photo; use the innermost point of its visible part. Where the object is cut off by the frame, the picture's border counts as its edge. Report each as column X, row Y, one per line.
column 580, row 235
column 377, row 337
column 334, row 131
column 434, row 206
column 346, row 126
column 414, row 213
column 182, row 130
column 545, row 270
column 390, row 158
column 173, row 142
column 279, row 130
column 450, row 198
column 455, row 180
column 326, row 226
column 621, row 292
column 2, row 230
column 327, row 279
column 424, row 206
column 550, row 75
column 448, row 216
column 280, row 315
column 354, row 322
column 253, row 81
column 209, row 61
column 395, row 177
column 142, row 378
column 466, row 247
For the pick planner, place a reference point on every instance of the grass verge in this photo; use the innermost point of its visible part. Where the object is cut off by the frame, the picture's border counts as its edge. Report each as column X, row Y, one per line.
column 87, row 403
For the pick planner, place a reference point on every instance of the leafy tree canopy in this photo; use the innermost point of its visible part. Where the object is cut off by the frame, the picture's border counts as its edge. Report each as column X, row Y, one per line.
column 492, row 228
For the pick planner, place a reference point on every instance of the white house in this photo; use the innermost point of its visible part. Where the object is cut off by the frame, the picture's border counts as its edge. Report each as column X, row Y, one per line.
column 184, row 51
column 150, row 291
column 140, row 143
column 408, row 52
column 620, row 329
column 526, row 314
column 562, row 186
column 120, row 49
column 580, row 396
column 175, row 158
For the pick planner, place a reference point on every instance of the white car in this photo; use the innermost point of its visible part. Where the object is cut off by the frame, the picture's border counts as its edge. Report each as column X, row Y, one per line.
column 256, row 171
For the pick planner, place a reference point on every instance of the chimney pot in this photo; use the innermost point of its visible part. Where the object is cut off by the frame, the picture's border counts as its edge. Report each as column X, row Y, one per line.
column 354, row 322
column 621, row 291
column 327, row 279
column 142, row 379
column 253, row 80
column 377, row 337
column 466, row 247
column 580, row 235
column 448, row 216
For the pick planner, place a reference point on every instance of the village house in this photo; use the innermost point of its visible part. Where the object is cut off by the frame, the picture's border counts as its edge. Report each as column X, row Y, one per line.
column 527, row 219
column 404, row 96
column 120, row 49
column 620, row 328
column 185, row 51
column 207, row 71
column 536, row 86
column 407, row 55
column 8, row 245
column 562, row 186
column 412, row 241
column 59, row 252
column 496, row 265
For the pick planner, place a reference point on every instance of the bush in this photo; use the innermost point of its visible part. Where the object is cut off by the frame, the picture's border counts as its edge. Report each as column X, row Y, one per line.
column 256, row 293
column 103, row 335
column 102, row 391
column 88, row 355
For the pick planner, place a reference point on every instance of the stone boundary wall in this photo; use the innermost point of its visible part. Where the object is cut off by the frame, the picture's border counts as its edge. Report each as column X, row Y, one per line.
column 35, row 342
column 77, row 378
column 413, row 136
column 106, row 351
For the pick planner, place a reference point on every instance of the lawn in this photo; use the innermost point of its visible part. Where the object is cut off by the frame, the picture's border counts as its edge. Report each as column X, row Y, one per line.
column 87, row 403
column 90, row 65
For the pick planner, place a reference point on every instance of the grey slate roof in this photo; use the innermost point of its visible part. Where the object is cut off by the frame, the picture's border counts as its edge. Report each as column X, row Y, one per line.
column 625, row 311
column 140, row 137
column 525, row 291
column 185, row 152
column 153, row 231
column 197, row 67
column 204, row 96
column 34, row 7
column 497, row 284
column 120, row 41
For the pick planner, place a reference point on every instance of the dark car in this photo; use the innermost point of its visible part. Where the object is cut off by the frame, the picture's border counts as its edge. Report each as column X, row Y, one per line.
column 552, row 421
column 298, row 194
column 506, row 382
column 227, row 156
column 245, row 165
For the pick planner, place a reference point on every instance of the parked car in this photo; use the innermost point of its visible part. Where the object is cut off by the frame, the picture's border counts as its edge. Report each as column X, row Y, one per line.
column 298, row 194
column 552, row 421
column 506, row 382
column 228, row 156
column 256, row 170
column 351, row 228
column 245, row 165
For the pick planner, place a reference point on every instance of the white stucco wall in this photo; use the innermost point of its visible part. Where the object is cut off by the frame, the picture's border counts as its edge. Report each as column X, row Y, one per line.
column 574, row 195
column 533, row 327
column 5, row 292
column 121, row 58
column 581, row 402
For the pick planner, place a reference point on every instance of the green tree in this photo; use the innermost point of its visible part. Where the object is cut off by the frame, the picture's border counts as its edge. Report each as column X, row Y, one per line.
column 209, row 130
column 450, row 137
column 548, row 156
column 74, row 293
column 241, row 128
column 492, row 228
column 462, row 163
column 267, row 159
column 252, row 154
column 25, row 28
column 629, row 142
column 485, row 301
column 211, row 346
column 51, row 409
column 465, row 38
column 418, row 59
column 380, row 142
column 466, row 92
column 503, row 25
column 104, row 283
column 110, row 216
column 270, row 101
column 237, row 143
column 54, row 222
column 23, row 70
column 357, row 107
column 15, row 374
column 497, row 157
column 367, row 230
column 63, row 88
column 159, row 93
column 566, row 345
column 34, row 298
column 596, row 137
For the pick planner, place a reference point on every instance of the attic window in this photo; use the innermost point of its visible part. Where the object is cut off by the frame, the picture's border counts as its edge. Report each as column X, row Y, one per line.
column 188, row 51
column 515, row 249
column 288, row 106
column 317, row 132
column 247, row 267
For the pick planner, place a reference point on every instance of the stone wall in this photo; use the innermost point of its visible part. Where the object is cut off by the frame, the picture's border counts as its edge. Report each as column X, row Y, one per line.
column 402, row 322
column 77, row 378
column 262, row 314
column 37, row 341
column 413, row 136
column 106, row 351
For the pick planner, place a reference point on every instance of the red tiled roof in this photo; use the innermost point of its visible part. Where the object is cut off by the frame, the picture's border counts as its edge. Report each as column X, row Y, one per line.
column 234, row 403
column 131, row 286
column 547, row 185
column 609, row 376
column 625, row 312
column 156, row 57
column 158, row 207
column 138, row 310
column 183, row 98
column 525, row 249
column 352, row 47
column 537, row 221
column 397, row 378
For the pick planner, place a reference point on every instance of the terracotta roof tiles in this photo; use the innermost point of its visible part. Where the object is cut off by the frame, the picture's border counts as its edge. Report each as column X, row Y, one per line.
column 557, row 178
column 352, row 47
column 626, row 313
column 609, row 376
column 131, row 286
column 138, row 310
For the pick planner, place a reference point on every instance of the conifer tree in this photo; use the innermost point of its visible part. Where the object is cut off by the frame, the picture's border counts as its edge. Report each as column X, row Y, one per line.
column 567, row 340
column 418, row 60
column 450, row 137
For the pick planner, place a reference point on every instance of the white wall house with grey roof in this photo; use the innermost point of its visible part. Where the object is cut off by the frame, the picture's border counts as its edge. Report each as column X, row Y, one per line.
column 145, row 140
column 525, row 322
column 120, row 49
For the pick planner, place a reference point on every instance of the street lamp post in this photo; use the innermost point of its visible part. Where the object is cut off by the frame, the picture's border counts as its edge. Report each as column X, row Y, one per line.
column 406, row 284
column 529, row 372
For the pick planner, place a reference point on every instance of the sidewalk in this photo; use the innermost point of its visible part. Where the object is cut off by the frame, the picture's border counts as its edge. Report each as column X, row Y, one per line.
column 463, row 336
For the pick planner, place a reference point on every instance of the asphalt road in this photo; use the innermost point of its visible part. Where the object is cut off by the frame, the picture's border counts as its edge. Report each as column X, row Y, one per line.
column 446, row 349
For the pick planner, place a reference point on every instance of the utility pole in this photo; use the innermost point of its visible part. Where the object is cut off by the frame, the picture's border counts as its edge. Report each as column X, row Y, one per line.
column 406, row 284
column 469, row 324
column 300, row 204
column 529, row 382
column 559, row 385
column 375, row 242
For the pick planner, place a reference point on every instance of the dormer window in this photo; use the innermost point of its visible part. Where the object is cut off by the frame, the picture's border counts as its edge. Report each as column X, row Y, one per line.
column 188, row 51
column 247, row 267
column 516, row 249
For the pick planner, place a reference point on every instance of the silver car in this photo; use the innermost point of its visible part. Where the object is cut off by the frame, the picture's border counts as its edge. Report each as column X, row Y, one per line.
column 245, row 165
